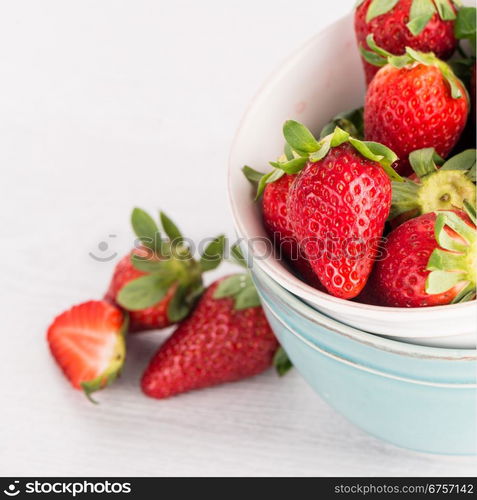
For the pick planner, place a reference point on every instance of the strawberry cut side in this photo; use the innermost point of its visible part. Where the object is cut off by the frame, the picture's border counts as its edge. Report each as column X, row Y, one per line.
column 87, row 342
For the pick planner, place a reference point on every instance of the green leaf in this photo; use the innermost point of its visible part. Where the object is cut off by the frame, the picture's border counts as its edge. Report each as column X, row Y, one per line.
column 441, row 281
column 237, row 256
column 282, row 362
column 470, row 211
column 351, row 122
column 333, row 140
column 172, row 231
column 446, row 12
column 241, row 288
column 465, row 295
column 247, row 298
column 442, row 260
column 379, row 7
column 146, row 229
column 181, row 303
column 378, row 152
column 376, row 48
column 443, row 238
column 252, row 175
column 147, row 265
column 213, row 254
column 292, row 166
column 420, row 14
column 404, row 198
column 463, row 161
column 422, row 161
column 272, row 176
column 143, row 292
column 400, row 61
column 231, row 286
column 456, row 223
column 324, row 149
column 339, row 137
column 465, row 24
column 299, row 137
column 288, row 151
column 372, row 58
column 451, row 79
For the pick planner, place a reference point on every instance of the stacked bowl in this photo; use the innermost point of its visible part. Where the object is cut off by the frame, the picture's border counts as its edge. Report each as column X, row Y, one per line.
column 408, row 376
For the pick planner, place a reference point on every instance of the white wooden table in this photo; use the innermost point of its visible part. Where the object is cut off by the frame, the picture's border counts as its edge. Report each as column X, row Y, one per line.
column 103, row 106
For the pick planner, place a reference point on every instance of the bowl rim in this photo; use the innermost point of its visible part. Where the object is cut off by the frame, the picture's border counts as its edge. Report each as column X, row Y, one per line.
column 290, row 301
column 368, row 369
column 288, row 279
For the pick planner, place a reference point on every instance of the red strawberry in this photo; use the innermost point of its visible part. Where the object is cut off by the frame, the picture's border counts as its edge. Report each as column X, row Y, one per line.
column 472, row 88
column 159, row 282
column 415, row 102
column 400, row 24
column 430, row 260
column 338, row 204
column 226, row 338
column 275, row 220
column 435, row 185
column 87, row 342
column 274, row 208
column 144, row 319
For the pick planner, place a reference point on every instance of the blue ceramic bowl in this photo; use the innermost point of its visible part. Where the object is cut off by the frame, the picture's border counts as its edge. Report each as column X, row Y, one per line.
column 422, row 398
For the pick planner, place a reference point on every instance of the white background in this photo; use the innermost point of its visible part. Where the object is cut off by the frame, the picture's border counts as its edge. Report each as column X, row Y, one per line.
column 109, row 104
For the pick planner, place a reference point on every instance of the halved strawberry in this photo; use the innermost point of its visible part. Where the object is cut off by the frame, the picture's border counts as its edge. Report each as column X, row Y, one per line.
column 87, row 342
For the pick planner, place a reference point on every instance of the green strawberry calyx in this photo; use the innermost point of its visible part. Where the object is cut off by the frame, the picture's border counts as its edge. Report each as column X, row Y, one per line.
column 309, row 149
column 302, row 147
column 454, row 262
column 350, row 121
column 168, row 266
column 113, row 370
column 381, row 57
column 420, row 13
column 282, row 362
column 441, row 185
column 238, row 287
column 465, row 26
column 241, row 289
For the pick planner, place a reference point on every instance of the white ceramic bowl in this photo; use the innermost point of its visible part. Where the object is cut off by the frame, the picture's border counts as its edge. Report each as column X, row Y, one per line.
column 319, row 80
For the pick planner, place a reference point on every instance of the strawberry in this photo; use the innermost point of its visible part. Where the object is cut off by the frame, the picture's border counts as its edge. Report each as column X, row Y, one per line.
column 159, row 282
column 424, row 25
column 430, row 260
column 87, row 341
column 338, row 204
column 275, row 220
column 472, row 89
column 152, row 317
column 227, row 338
column 274, row 211
column 432, row 188
column 414, row 102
